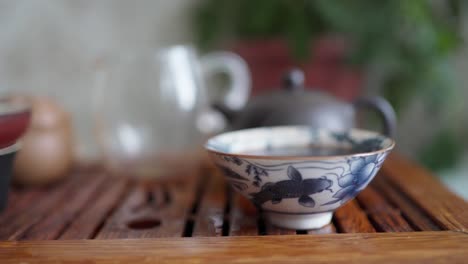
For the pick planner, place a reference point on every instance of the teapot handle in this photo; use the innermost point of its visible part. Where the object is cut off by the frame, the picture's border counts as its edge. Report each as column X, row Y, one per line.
column 383, row 108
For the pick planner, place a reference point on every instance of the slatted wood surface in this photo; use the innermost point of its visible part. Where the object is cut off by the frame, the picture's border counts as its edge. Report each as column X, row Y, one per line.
column 93, row 205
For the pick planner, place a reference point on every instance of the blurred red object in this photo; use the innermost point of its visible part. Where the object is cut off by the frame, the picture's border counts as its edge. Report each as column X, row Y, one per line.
column 14, row 120
column 269, row 60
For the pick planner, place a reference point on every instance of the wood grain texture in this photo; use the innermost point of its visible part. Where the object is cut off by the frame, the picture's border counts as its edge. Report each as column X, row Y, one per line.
column 415, row 247
column 415, row 216
column 350, row 218
column 328, row 229
column 243, row 217
column 180, row 199
column 116, row 224
column 38, row 209
column 274, row 230
column 384, row 217
column 21, row 202
column 88, row 222
column 445, row 207
column 51, row 226
column 210, row 216
column 152, row 209
column 200, row 205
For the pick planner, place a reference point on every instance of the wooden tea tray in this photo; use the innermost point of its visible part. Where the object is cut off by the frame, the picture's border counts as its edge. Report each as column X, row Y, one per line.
column 404, row 215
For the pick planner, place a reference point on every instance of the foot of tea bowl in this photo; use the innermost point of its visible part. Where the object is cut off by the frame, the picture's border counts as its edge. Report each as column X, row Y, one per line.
column 299, row 221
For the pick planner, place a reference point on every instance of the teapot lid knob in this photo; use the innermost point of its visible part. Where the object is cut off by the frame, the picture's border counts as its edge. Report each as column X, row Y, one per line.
column 293, row 80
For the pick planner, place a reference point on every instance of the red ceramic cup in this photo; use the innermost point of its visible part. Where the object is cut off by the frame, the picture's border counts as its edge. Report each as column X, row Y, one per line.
column 14, row 119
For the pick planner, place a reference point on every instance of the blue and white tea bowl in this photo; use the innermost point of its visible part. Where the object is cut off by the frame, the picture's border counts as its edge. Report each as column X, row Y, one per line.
column 298, row 192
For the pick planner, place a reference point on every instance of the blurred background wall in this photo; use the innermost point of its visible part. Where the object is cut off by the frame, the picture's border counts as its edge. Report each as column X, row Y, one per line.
column 51, row 47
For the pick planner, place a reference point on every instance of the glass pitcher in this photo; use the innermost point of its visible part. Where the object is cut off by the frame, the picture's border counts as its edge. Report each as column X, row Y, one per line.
column 152, row 109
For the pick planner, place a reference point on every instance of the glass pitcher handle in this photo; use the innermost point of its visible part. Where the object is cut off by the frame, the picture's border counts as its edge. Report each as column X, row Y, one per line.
column 384, row 109
column 227, row 62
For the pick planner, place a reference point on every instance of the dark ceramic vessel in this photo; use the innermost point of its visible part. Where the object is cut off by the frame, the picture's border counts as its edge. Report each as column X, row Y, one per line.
column 15, row 113
column 295, row 105
column 7, row 156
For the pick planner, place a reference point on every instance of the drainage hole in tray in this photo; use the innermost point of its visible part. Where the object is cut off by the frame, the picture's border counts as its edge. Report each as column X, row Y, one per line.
column 144, row 223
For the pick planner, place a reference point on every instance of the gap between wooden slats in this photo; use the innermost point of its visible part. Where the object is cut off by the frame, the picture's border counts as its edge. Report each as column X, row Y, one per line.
column 91, row 219
column 350, row 218
column 383, row 206
column 20, row 203
column 210, row 210
column 64, row 213
column 445, row 208
column 179, row 197
column 383, row 216
column 244, row 218
column 415, row 216
column 153, row 209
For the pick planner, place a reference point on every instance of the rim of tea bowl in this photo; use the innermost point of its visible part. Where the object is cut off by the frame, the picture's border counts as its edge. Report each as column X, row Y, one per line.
column 298, row 192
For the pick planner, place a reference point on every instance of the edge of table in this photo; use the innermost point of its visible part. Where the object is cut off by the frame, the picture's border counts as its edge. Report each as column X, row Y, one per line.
column 445, row 246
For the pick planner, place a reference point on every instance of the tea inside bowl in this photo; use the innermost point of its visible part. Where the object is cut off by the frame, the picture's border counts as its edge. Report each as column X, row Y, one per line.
column 297, row 142
column 297, row 151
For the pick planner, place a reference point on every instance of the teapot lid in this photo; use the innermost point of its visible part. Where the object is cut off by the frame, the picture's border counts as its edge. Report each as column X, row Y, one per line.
column 293, row 85
column 291, row 104
column 294, row 80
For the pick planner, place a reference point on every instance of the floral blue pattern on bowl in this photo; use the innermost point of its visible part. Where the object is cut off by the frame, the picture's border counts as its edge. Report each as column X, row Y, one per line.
column 299, row 192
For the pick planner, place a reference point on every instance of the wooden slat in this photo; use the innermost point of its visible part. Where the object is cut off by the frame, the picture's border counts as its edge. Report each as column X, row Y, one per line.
column 415, row 247
column 54, row 223
column 116, row 225
column 210, row 217
column 384, row 216
column 13, row 194
column 328, row 229
column 445, row 207
column 274, row 230
column 182, row 195
column 21, row 202
column 351, row 219
column 243, row 217
column 412, row 213
column 88, row 222
column 38, row 209
column 396, row 201
column 12, row 198
column 160, row 220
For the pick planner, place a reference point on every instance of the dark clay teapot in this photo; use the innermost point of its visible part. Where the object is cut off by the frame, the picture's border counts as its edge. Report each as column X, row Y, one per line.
column 294, row 105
